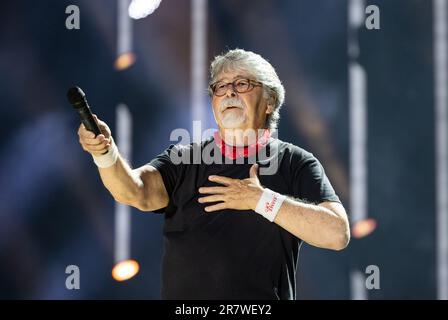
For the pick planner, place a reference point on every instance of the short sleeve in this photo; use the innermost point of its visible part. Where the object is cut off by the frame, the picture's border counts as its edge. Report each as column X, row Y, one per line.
column 169, row 171
column 310, row 182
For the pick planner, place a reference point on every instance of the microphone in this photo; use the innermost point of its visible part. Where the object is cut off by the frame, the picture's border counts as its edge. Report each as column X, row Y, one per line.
column 78, row 100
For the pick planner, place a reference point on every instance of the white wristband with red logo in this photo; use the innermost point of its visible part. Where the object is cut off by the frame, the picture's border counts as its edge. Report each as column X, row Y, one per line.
column 269, row 204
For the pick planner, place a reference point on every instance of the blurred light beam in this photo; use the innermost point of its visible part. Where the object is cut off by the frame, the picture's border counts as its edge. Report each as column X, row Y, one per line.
column 124, row 61
column 357, row 78
column 125, row 57
column 198, row 46
column 125, row 270
column 363, row 228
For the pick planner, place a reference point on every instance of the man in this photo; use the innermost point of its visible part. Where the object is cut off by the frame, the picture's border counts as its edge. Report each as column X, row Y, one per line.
column 231, row 232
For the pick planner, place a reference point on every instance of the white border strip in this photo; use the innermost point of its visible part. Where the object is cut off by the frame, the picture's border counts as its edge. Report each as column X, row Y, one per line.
column 441, row 123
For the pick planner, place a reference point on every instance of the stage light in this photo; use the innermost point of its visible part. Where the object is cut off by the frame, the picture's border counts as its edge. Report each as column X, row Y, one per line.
column 125, row 270
column 139, row 9
column 124, row 61
column 363, row 228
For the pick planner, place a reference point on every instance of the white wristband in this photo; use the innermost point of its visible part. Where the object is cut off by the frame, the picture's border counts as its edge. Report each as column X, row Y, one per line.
column 108, row 159
column 269, row 204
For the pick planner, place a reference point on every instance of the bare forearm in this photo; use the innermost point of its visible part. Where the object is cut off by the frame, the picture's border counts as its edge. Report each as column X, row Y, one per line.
column 314, row 224
column 121, row 181
column 125, row 184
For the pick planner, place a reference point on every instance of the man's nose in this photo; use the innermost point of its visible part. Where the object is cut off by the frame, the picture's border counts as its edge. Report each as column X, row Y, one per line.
column 230, row 91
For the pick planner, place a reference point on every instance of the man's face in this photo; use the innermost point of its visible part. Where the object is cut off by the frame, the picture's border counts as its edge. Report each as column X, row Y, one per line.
column 236, row 110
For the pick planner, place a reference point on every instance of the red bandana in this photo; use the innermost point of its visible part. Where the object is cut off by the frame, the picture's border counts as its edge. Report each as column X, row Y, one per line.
column 233, row 152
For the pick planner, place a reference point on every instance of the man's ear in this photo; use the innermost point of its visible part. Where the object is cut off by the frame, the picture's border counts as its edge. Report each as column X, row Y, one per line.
column 269, row 109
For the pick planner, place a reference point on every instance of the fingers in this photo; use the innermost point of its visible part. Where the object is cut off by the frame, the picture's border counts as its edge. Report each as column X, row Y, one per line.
column 216, row 207
column 104, row 128
column 98, row 121
column 100, row 139
column 99, row 147
column 212, row 190
column 94, row 145
column 88, row 138
column 253, row 171
column 84, row 133
column 97, row 150
column 214, row 198
column 223, row 180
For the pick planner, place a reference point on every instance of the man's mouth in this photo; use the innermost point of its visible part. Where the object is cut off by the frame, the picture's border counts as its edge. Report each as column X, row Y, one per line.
column 231, row 108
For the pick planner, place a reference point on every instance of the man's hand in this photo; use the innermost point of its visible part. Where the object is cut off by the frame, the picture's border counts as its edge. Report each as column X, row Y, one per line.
column 235, row 194
column 95, row 145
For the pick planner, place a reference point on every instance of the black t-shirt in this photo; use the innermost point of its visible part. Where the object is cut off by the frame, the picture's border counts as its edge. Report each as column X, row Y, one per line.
column 232, row 254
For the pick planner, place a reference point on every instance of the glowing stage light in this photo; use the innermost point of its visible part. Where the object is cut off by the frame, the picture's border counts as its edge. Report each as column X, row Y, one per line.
column 139, row 9
column 124, row 61
column 363, row 228
column 125, row 270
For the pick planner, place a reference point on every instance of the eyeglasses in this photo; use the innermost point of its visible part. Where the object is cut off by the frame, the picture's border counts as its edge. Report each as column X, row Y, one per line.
column 239, row 85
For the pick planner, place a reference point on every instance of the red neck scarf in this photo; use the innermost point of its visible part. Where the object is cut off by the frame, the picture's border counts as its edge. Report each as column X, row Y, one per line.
column 233, row 152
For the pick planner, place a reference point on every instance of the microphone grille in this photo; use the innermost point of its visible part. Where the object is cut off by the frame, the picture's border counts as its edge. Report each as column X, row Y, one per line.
column 75, row 95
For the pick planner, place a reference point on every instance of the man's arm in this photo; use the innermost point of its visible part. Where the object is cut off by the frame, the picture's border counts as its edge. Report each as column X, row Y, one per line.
column 142, row 188
column 324, row 225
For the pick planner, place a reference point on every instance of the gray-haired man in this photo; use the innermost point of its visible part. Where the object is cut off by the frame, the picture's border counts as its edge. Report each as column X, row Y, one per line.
column 231, row 232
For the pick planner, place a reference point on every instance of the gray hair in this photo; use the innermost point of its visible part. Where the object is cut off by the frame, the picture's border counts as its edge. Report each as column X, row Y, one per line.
column 260, row 69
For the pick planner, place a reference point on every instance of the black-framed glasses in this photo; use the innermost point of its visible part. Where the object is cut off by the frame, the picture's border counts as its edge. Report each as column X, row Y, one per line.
column 239, row 85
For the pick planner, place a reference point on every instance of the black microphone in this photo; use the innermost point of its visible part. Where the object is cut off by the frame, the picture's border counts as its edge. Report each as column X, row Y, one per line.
column 77, row 99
